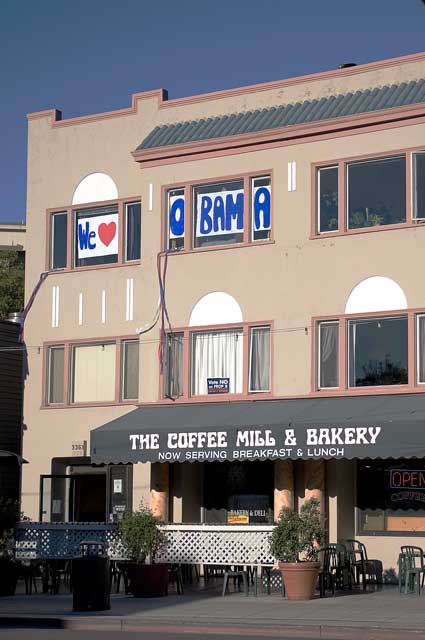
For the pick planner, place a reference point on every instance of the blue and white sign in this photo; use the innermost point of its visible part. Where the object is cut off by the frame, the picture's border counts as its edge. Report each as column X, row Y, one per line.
column 176, row 216
column 97, row 236
column 219, row 213
column 261, row 199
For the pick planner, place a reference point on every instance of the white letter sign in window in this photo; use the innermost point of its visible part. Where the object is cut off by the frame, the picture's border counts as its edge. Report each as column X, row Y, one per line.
column 176, row 206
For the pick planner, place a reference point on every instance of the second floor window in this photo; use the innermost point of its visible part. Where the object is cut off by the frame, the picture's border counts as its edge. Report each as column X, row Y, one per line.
column 222, row 213
column 92, row 372
column 93, row 236
column 370, row 351
column 370, row 193
column 217, row 354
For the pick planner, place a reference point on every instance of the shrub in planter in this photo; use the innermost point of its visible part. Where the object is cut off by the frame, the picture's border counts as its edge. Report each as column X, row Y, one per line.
column 295, row 542
column 143, row 538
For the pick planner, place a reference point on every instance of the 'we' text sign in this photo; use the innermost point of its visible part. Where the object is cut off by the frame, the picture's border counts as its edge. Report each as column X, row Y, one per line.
column 97, row 236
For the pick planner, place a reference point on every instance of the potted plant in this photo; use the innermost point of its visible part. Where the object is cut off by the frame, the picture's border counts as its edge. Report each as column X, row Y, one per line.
column 9, row 516
column 295, row 542
column 143, row 538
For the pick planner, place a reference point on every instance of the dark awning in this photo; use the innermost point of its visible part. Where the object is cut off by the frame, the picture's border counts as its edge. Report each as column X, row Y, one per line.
column 380, row 426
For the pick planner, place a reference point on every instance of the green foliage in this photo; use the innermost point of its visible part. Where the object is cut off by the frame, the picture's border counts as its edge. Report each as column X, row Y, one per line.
column 9, row 516
column 12, row 271
column 298, row 536
column 140, row 534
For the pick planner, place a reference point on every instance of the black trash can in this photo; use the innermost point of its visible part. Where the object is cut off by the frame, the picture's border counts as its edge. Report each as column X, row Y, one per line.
column 91, row 578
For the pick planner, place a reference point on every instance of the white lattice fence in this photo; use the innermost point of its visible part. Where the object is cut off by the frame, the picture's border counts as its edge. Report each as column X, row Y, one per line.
column 45, row 541
column 192, row 544
column 209, row 544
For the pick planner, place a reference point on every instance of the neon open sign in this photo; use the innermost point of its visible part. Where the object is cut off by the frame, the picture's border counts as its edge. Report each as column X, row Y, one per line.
column 407, row 478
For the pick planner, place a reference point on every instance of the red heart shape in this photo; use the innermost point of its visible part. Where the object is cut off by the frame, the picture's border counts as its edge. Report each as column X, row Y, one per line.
column 106, row 232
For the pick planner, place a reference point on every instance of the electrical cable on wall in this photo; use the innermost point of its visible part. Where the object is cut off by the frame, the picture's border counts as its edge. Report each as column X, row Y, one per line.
column 29, row 304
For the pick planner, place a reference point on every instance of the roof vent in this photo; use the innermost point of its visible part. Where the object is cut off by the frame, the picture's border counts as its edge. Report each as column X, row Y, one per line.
column 346, row 65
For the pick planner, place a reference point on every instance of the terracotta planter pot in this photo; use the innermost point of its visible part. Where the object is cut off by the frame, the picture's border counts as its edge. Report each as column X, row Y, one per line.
column 147, row 580
column 300, row 579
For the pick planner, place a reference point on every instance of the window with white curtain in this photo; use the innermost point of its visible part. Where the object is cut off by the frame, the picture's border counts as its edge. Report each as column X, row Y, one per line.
column 93, row 372
column 173, row 366
column 259, row 359
column 328, row 354
column 216, row 354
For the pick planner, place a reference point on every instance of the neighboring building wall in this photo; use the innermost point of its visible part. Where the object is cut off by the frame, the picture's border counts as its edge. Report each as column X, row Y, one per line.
column 12, row 236
column 11, row 398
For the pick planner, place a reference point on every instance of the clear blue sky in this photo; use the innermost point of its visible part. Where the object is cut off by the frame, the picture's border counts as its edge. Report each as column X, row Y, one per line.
column 87, row 56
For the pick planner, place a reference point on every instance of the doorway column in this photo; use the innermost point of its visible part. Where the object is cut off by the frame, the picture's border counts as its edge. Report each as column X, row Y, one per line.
column 314, row 471
column 283, row 485
column 160, row 489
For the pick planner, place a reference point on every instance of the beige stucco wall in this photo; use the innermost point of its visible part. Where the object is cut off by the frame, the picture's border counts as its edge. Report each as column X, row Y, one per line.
column 287, row 282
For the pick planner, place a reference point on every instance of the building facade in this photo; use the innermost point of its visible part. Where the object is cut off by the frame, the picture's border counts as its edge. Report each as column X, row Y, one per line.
column 231, row 275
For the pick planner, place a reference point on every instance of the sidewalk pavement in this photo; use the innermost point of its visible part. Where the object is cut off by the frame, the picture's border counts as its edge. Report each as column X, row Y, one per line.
column 374, row 615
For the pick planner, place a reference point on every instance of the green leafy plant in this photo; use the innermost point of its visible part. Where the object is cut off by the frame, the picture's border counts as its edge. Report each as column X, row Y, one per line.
column 12, row 274
column 141, row 534
column 9, row 516
column 298, row 537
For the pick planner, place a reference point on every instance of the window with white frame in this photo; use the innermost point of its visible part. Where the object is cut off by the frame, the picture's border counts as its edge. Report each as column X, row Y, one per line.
column 173, row 366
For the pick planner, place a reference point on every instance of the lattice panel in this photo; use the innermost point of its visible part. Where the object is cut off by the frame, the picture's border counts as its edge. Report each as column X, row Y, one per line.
column 217, row 547
column 46, row 541
column 184, row 544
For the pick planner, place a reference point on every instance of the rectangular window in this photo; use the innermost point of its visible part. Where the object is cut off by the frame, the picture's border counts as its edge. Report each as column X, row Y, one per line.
column 378, row 351
column 328, row 355
column 96, row 236
column 390, row 496
column 93, row 373
column 133, row 235
column 419, row 186
column 376, row 192
column 259, row 359
column 260, row 208
column 58, row 240
column 327, row 205
column 130, row 370
column 216, row 354
column 175, row 219
column 173, row 366
column 218, row 214
column 55, row 374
